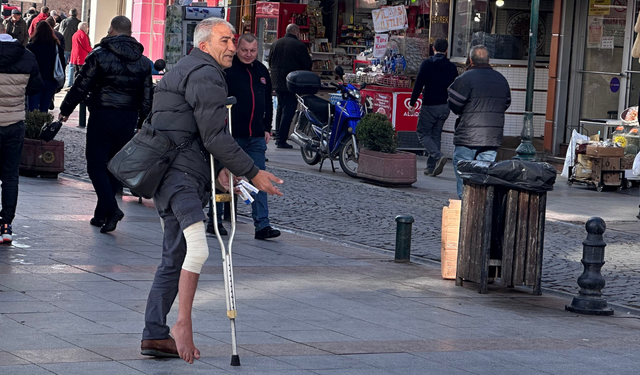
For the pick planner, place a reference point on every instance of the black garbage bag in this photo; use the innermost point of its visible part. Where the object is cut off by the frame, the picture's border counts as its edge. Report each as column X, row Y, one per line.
column 514, row 174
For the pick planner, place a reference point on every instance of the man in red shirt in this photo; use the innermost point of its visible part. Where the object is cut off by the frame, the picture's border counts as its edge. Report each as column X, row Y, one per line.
column 44, row 14
column 80, row 48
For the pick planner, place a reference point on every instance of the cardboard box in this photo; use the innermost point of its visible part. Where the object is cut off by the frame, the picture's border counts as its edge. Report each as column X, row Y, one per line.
column 582, row 169
column 605, row 152
column 450, row 236
column 606, row 164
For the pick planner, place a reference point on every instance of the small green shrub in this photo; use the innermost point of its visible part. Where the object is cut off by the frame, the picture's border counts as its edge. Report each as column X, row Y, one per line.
column 34, row 122
column 375, row 132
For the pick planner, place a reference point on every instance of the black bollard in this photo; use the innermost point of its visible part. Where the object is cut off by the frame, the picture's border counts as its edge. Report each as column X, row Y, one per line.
column 589, row 299
column 403, row 238
column 82, row 120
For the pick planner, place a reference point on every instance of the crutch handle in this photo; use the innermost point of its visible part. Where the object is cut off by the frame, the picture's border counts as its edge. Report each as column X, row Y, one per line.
column 223, row 198
column 231, row 101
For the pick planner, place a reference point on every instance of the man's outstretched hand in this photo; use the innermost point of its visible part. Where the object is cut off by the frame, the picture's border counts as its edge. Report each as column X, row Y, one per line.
column 264, row 182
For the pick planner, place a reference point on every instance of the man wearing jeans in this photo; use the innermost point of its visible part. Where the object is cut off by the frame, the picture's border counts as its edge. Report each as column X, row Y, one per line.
column 19, row 76
column 480, row 96
column 251, row 119
column 435, row 76
column 68, row 28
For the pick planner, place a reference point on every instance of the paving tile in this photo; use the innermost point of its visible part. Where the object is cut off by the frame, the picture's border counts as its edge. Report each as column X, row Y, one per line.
column 58, row 355
column 24, row 370
column 172, row 366
column 8, row 359
column 93, row 368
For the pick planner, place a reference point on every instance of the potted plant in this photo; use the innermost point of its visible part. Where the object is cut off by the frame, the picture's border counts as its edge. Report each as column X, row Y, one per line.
column 40, row 158
column 379, row 160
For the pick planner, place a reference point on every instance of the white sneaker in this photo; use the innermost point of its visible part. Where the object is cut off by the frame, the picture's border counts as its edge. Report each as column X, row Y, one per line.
column 6, row 233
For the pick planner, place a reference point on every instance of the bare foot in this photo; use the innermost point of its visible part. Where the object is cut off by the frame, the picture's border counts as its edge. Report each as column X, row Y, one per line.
column 183, row 335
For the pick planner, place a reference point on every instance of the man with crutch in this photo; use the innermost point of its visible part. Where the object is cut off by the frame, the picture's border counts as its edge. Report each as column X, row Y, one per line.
column 189, row 103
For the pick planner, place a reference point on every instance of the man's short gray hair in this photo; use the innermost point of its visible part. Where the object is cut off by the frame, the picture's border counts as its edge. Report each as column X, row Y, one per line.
column 83, row 26
column 204, row 30
column 479, row 55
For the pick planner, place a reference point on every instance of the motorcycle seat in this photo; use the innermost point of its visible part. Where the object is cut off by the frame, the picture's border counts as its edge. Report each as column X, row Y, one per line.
column 318, row 109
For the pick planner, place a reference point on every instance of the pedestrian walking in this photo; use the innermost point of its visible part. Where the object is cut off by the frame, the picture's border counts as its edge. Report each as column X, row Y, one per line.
column 17, row 27
column 45, row 46
column 436, row 74
column 287, row 55
column 59, row 36
column 30, row 15
column 480, row 96
column 116, row 81
column 189, row 104
column 68, row 28
column 81, row 46
column 19, row 75
column 43, row 15
column 251, row 125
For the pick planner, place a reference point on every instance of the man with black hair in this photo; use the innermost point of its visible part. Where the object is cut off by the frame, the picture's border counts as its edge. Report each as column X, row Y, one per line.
column 435, row 75
column 116, row 81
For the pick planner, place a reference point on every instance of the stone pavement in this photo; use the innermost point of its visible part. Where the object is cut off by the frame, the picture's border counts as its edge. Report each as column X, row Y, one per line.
column 72, row 301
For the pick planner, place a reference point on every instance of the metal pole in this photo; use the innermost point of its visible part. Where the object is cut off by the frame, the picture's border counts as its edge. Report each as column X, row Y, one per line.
column 403, row 238
column 82, row 118
column 525, row 150
column 85, row 11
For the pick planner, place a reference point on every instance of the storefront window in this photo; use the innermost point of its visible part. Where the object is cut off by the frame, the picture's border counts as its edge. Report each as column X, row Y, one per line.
column 502, row 26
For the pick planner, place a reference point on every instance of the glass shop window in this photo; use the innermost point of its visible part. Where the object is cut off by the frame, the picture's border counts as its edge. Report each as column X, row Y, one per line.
column 502, row 26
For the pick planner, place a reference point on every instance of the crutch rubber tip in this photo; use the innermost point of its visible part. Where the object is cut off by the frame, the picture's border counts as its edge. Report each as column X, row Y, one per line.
column 235, row 360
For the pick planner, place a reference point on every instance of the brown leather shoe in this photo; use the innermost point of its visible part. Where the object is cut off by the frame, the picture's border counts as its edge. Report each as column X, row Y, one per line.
column 159, row 348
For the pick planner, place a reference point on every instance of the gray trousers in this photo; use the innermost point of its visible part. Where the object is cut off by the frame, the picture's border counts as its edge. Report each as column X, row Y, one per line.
column 179, row 201
column 430, row 122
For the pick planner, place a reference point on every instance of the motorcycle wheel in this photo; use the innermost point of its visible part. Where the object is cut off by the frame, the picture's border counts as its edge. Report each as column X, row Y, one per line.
column 309, row 157
column 348, row 159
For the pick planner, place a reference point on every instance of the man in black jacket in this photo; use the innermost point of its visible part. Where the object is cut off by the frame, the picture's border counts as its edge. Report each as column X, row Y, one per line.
column 435, row 76
column 116, row 82
column 19, row 76
column 251, row 119
column 480, row 96
column 67, row 28
column 189, row 103
column 287, row 55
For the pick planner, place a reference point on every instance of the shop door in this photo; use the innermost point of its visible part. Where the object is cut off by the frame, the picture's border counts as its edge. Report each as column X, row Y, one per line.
column 604, row 79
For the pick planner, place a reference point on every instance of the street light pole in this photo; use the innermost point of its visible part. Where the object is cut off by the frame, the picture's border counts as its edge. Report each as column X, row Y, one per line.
column 525, row 150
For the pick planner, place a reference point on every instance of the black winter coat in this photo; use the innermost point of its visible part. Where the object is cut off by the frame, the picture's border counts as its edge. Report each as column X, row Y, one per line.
column 114, row 75
column 46, row 57
column 480, row 96
column 436, row 74
column 190, row 100
column 287, row 54
column 251, row 85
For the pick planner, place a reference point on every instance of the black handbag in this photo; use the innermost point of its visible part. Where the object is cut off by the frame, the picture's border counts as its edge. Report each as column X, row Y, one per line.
column 145, row 159
column 49, row 131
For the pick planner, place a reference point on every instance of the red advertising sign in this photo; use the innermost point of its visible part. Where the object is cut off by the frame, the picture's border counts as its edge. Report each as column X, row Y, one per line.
column 405, row 121
column 378, row 102
column 267, row 8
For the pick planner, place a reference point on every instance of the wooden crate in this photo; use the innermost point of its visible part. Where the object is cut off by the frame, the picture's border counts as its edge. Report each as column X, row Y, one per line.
column 450, row 235
column 503, row 228
column 600, row 165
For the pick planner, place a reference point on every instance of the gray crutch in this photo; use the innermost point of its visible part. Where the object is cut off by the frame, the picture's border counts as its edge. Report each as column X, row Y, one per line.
column 227, row 262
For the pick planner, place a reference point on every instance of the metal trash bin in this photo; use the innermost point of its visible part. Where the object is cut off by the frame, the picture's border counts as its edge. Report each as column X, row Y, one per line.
column 502, row 222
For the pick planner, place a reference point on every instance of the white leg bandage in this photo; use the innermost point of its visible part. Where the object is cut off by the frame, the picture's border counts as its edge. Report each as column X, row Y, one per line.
column 197, row 248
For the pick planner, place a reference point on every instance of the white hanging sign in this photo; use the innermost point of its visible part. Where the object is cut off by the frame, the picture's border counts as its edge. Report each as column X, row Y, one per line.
column 389, row 18
column 380, row 45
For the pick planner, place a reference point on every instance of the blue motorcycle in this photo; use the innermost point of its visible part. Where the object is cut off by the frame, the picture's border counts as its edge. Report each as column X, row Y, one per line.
column 325, row 131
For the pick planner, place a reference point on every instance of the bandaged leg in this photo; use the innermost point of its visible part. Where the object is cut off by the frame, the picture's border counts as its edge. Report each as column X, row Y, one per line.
column 197, row 248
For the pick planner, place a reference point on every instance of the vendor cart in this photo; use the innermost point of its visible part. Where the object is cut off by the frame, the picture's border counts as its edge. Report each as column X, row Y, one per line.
column 598, row 167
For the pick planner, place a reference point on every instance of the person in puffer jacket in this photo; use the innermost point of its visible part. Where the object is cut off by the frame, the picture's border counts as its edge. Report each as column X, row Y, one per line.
column 19, row 76
column 116, row 80
column 480, row 96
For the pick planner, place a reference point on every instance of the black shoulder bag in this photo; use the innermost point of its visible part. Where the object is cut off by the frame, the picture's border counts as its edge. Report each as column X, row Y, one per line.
column 145, row 159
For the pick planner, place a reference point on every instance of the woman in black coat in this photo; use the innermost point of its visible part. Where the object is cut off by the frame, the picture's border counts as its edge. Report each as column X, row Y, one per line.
column 45, row 46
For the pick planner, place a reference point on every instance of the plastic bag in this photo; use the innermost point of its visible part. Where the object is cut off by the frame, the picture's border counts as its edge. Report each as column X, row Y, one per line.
column 514, row 174
column 636, row 165
column 569, row 160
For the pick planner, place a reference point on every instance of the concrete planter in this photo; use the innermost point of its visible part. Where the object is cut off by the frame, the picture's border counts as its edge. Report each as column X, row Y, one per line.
column 40, row 158
column 387, row 169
